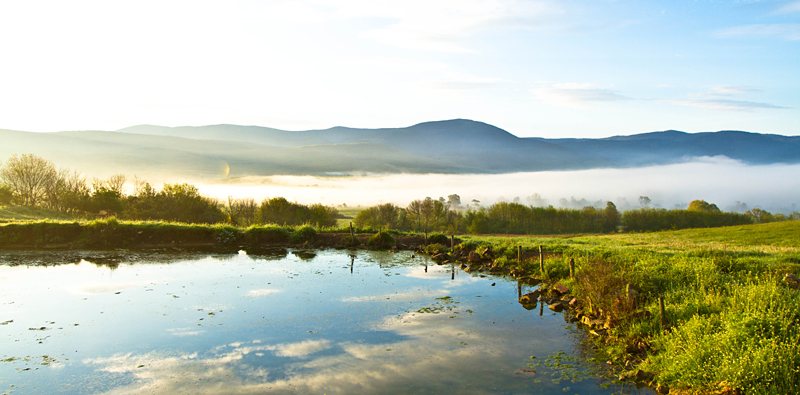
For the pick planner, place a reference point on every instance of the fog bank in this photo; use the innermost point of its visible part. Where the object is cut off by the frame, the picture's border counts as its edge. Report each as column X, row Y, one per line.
column 719, row 180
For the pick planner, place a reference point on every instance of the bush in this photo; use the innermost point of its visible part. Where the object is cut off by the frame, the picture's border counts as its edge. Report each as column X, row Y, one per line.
column 438, row 238
column 266, row 234
column 381, row 240
column 303, row 234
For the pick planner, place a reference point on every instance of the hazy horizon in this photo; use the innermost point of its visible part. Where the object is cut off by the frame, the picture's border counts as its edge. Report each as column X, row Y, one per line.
column 719, row 180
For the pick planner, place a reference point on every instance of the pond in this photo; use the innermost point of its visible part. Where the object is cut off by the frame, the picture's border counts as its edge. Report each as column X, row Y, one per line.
column 277, row 321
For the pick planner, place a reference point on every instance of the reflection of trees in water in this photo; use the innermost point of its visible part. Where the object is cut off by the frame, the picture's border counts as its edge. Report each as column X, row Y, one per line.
column 266, row 253
column 305, row 255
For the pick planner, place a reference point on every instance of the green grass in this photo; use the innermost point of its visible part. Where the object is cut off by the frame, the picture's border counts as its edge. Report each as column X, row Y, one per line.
column 733, row 319
column 21, row 213
column 349, row 213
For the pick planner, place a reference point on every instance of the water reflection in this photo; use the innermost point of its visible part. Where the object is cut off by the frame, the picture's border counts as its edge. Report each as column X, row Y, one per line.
column 284, row 321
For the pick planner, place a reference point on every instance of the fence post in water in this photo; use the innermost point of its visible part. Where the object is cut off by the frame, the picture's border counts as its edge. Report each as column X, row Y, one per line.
column 426, row 236
column 519, row 289
column 661, row 311
column 572, row 268
column 541, row 260
column 452, row 242
column 519, row 254
column 352, row 235
column 452, row 271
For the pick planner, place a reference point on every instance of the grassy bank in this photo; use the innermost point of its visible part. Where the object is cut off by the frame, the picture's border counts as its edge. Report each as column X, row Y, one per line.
column 731, row 321
column 112, row 233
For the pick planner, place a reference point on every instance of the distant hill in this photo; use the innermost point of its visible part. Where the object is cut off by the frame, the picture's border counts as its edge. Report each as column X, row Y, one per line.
column 454, row 146
column 671, row 145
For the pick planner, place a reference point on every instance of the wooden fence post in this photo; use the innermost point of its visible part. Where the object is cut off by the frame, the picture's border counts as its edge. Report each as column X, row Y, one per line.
column 352, row 234
column 452, row 243
column 519, row 254
column 541, row 260
column 571, row 268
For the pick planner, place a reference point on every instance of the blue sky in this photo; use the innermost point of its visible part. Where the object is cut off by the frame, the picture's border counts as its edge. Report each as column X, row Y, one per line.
column 534, row 68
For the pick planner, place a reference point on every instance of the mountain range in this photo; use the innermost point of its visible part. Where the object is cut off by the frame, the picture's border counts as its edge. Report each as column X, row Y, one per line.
column 450, row 147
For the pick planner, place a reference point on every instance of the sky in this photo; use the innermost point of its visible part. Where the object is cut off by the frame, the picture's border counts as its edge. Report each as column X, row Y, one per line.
column 534, row 68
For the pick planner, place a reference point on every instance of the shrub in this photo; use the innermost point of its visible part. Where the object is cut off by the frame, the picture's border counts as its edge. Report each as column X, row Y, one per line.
column 438, row 238
column 303, row 234
column 266, row 234
column 381, row 240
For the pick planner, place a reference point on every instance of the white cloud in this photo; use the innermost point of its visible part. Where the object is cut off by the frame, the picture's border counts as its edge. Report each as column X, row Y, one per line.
column 730, row 90
column 578, row 95
column 300, row 349
column 785, row 31
column 262, row 292
column 720, row 98
column 725, row 104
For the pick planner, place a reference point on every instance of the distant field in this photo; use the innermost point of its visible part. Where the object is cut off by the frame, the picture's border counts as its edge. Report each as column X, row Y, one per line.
column 349, row 213
column 20, row 213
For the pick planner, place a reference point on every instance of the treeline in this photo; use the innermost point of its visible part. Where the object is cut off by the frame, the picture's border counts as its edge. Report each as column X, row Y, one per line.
column 29, row 180
column 655, row 219
column 516, row 218
column 503, row 217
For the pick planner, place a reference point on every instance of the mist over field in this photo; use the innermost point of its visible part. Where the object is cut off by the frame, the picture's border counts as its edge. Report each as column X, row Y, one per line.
column 719, row 180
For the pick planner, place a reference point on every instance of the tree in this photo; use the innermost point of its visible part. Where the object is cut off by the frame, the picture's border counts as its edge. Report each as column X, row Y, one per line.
column 427, row 210
column 454, row 201
column 759, row 216
column 644, row 201
column 414, row 212
column 241, row 212
column 702, row 205
column 6, row 195
column 29, row 177
column 113, row 183
column 612, row 217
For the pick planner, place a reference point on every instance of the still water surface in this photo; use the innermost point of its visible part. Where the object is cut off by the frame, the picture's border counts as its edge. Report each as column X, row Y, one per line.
column 321, row 322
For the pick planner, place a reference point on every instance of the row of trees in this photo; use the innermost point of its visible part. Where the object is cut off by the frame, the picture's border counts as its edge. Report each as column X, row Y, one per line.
column 29, row 180
column 516, row 218
column 420, row 215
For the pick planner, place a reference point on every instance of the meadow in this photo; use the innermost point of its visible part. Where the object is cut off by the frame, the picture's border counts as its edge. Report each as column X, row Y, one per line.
column 731, row 318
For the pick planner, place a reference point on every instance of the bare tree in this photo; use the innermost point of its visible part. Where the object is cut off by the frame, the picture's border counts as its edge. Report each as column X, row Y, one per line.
column 116, row 182
column 65, row 186
column 241, row 212
column 29, row 177
column 138, row 185
column 113, row 183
